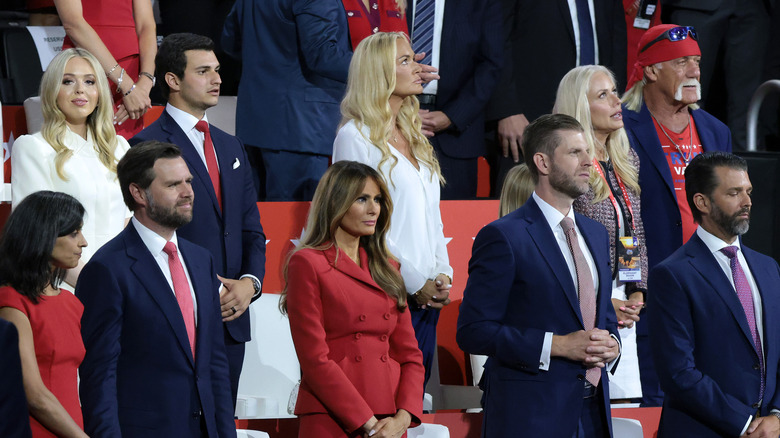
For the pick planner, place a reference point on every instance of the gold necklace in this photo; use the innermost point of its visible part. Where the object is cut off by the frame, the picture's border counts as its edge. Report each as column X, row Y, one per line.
column 687, row 159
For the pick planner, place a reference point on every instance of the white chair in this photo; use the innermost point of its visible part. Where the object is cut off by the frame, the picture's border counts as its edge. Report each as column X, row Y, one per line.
column 626, row 428
column 33, row 114
column 271, row 368
column 223, row 116
column 429, row 431
column 245, row 433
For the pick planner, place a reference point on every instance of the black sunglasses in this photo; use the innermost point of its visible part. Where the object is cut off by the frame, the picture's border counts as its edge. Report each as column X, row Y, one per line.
column 678, row 33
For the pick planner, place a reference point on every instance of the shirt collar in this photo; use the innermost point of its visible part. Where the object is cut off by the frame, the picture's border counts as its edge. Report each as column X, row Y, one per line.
column 185, row 120
column 713, row 242
column 553, row 216
column 153, row 241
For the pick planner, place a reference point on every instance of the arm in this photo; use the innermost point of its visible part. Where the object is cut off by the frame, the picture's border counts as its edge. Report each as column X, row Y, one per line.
column 403, row 349
column 43, row 405
column 231, row 31
column 138, row 102
column 673, row 343
column 101, row 329
column 252, row 235
column 323, row 37
column 327, row 380
column 220, row 371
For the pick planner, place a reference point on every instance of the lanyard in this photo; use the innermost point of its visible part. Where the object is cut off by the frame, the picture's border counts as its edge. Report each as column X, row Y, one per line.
column 597, row 165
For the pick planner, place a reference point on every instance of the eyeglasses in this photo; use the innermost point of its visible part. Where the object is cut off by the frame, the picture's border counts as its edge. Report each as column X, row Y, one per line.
column 678, row 33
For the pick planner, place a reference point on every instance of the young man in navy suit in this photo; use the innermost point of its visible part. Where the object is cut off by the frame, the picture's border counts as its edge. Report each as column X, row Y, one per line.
column 225, row 219
column 155, row 361
column 715, row 325
column 537, row 301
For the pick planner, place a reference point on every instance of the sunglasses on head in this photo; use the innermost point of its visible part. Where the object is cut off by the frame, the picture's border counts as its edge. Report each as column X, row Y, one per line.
column 678, row 33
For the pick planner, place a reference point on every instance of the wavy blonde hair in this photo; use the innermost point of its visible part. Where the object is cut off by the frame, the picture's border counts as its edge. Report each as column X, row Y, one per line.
column 572, row 99
column 372, row 76
column 337, row 190
column 99, row 123
column 518, row 187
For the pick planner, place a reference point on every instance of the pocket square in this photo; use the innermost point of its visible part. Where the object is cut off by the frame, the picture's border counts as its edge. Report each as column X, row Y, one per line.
column 236, row 164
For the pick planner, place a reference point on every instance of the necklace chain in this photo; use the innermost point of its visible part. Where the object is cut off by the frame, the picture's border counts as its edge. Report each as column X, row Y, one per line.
column 676, row 146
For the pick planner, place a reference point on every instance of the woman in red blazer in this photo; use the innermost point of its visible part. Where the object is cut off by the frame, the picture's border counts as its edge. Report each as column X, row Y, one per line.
column 362, row 373
column 367, row 17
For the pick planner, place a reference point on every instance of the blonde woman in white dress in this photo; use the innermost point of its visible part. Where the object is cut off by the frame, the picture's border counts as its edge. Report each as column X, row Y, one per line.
column 77, row 149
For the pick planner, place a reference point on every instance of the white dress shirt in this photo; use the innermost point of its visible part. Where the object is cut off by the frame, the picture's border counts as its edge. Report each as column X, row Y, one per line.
column 155, row 244
column 574, row 22
column 187, row 122
column 416, row 235
column 438, row 21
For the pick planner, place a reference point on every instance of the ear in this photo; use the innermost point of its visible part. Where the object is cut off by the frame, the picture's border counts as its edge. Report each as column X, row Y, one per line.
column 173, row 81
column 651, row 72
column 139, row 195
column 702, row 203
column 542, row 163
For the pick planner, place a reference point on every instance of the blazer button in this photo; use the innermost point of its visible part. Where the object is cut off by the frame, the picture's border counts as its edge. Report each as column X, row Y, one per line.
column 580, row 377
column 383, row 338
column 756, row 405
column 362, row 317
column 358, row 335
column 387, row 315
column 358, row 358
column 383, row 358
column 226, row 233
column 195, row 414
column 756, row 366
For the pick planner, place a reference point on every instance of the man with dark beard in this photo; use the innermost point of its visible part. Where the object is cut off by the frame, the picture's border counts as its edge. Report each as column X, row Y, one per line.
column 715, row 329
column 537, row 301
column 155, row 361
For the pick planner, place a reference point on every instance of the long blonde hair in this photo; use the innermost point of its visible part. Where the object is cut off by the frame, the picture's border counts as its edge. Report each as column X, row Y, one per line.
column 338, row 188
column 572, row 99
column 518, row 187
column 367, row 101
column 99, row 123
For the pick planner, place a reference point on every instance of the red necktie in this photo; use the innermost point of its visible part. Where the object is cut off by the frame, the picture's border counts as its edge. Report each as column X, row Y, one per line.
column 182, row 290
column 211, row 159
column 585, row 288
column 745, row 296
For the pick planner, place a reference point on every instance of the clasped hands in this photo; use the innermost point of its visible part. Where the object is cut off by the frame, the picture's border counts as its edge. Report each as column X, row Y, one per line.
column 388, row 427
column 627, row 312
column 236, row 294
column 594, row 348
column 763, row 427
column 435, row 293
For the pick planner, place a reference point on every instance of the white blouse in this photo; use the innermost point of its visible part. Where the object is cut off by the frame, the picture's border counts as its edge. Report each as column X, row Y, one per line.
column 416, row 233
column 88, row 180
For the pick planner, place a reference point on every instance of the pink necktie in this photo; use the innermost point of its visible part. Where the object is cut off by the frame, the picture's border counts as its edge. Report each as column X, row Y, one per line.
column 182, row 290
column 746, row 299
column 211, row 159
column 585, row 288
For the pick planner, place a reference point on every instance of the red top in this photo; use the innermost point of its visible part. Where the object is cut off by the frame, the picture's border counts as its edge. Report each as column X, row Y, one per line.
column 113, row 21
column 56, row 329
column 678, row 160
column 363, row 22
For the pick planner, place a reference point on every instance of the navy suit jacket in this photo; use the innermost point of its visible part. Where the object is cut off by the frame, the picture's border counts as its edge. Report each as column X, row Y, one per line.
column 13, row 403
column 661, row 216
column 295, row 56
column 470, row 60
column 232, row 234
column 702, row 345
column 138, row 377
column 519, row 287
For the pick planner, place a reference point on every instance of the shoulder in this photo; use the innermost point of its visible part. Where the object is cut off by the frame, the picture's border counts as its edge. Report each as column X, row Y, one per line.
column 9, row 297
column 151, row 132
column 122, row 146
column 350, row 132
column 33, row 142
column 191, row 250
column 705, row 119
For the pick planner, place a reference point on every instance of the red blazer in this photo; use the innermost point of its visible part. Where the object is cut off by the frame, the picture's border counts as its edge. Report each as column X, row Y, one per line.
column 390, row 19
column 358, row 353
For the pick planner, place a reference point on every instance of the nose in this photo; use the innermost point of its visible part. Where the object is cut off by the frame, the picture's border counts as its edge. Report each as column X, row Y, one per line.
column 614, row 100
column 693, row 70
column 82, row 241
column 217, row 79
column 374, row 208
column 78, row 87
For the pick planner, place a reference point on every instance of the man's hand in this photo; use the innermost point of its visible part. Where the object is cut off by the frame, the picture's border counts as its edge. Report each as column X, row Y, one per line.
column 628, row 311
column 510, row 135
column 428, row 73
column 764, row 427
column 235, row 297
column 434, row 294
column 593, row 348
column 434, row 122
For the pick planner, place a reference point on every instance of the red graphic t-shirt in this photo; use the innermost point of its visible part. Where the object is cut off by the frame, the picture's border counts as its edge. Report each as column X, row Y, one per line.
column 679, row 149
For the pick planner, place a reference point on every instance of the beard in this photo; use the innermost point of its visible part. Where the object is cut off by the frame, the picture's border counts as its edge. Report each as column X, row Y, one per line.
column 678, row 95
column 566, row 184
column 733, row 225
column 167, row 217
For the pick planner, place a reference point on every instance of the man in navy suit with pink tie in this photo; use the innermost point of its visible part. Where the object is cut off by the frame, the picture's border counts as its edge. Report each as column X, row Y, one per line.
column 225, row 219
column 155, row 362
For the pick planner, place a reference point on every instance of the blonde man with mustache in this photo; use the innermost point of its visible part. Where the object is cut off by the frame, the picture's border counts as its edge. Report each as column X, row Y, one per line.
column 667, row 129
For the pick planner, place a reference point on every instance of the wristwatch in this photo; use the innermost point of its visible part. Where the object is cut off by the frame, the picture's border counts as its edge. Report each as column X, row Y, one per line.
column 257, row 285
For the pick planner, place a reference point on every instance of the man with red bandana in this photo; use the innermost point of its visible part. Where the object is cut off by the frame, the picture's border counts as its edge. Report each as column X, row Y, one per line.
column 667, row 129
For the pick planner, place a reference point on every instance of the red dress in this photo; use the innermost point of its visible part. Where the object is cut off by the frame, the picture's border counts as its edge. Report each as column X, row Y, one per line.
column 381, row 16
column 113, row 21
column 56, row 329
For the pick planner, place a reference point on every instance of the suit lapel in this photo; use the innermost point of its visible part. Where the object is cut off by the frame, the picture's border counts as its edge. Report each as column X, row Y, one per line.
column 540, row 232
column 704, row 262
column 148, row 273
column 343, row 264
column 647, row 137
column 706, row 136
column 179, row 138
column 199, row 274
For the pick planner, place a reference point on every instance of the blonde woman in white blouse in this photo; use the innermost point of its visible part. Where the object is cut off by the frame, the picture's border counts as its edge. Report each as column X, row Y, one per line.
column 381, row 127
column 77, row 149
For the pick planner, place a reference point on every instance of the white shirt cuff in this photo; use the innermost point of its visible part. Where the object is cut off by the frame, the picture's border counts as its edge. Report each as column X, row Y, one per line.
column 544, row 360
column 259, row 291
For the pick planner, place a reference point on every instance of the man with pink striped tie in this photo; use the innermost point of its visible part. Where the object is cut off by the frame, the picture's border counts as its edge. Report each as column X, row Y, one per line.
column 155, row 363
column 715, row 325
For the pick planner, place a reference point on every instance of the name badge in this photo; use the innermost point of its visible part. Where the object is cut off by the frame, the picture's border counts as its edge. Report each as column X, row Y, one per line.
column 629, row 266
column 644, row 13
